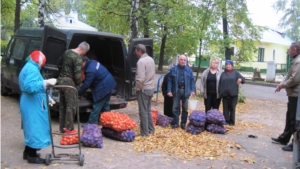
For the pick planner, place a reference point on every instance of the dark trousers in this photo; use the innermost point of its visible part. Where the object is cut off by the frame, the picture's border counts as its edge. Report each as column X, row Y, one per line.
column 290, row 120
column 168, row 106
column 31, row 152
column 100, row 106
column 229, row 104
column 211, row 102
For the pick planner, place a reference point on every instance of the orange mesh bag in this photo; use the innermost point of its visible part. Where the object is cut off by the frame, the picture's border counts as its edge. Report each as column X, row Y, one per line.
column 154, row 116
column 69, row 137
column 117, row 121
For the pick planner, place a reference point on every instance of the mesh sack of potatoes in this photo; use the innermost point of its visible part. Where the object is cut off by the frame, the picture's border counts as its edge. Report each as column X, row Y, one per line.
column 91, row 136
column 190, row 128
column 127, row 135
column 214, row 116
column 216, row 128
column 197, row 118
column 163, row 121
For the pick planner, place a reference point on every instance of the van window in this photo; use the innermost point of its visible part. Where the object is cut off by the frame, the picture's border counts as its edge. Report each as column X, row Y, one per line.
column 33, row 45
column 9, row 48
column 19, row 48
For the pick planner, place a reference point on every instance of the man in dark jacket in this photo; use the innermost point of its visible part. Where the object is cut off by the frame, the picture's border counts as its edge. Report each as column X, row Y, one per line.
column 229, row 90
column 102, row 83
column 291, row 83
column 180, row 87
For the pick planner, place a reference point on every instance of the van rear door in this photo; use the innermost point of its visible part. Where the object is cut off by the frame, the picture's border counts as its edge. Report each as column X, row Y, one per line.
column 54, row 45
column 131, row 64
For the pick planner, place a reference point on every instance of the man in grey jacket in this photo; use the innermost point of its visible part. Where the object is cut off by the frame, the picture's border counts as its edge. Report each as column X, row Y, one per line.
column 291, row 83
column 144, row 87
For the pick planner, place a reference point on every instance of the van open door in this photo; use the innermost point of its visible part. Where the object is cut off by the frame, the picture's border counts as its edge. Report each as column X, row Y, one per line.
column 131, row 64
column 54, row 45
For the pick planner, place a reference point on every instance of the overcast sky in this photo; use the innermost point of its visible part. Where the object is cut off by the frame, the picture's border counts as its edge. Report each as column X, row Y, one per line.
column 262, row 13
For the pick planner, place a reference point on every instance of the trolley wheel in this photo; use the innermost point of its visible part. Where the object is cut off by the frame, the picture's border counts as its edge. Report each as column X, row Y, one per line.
column 47, row 160
column 81, row 159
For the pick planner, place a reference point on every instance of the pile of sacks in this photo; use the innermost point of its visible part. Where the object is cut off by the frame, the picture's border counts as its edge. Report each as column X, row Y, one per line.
column 212, row 121
column 117, row 126
column 197, row 122
column 215, row 122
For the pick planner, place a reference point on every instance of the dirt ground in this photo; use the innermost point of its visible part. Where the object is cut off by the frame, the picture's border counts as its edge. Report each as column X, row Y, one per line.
column 261, row 118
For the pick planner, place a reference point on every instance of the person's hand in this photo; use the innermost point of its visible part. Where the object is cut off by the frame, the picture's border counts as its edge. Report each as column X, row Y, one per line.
column 51, row 101
column 192, row 94
column 278, row 88
column 170, row 94
column 50, row 82
column 239, row 81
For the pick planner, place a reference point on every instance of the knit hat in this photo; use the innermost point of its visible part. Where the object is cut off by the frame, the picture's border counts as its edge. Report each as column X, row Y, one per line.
column 38, row 57
column 229, row 62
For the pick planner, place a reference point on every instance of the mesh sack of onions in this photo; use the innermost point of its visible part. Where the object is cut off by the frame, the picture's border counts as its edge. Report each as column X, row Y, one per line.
column 214, row 116
column 190, row 128
column 127, row 135
column 117, row 121
column 216, row 128
column 197, row 118
column 91, row 136
column 163, row 121
column 154, row 116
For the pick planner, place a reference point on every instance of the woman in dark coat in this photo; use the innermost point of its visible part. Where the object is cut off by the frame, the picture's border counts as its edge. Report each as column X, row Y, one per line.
column 168, row 101
column 229, row 90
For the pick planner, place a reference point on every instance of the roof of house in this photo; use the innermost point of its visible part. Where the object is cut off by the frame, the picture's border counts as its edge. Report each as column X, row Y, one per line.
column 70, row 21
column 272, row 36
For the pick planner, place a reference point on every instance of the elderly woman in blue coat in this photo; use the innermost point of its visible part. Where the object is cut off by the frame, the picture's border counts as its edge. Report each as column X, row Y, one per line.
column 33, row 107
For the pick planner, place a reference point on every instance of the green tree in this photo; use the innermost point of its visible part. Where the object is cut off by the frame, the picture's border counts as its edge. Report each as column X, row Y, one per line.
column 291, row 17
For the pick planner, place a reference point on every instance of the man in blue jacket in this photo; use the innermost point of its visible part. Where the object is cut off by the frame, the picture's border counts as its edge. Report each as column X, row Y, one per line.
column 101, row 82
column 180, row 87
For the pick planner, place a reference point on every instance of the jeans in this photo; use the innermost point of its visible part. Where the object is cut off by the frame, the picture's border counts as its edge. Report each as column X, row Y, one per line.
column 100, row 106
column 176, row 107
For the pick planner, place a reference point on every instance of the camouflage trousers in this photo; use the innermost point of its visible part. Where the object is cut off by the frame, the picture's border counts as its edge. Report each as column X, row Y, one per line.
column 67, row 105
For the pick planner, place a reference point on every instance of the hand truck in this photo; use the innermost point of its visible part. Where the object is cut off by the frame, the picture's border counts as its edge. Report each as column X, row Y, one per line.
column 64, row 157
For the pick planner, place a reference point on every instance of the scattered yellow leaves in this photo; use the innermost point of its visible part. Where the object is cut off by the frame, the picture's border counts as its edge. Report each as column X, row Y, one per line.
column 179, row 143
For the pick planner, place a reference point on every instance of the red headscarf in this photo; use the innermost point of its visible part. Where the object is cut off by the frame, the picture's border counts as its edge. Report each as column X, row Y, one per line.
column 38, row 57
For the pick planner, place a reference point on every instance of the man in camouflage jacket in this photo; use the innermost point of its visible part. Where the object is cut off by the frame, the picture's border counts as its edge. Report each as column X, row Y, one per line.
column 69, row 66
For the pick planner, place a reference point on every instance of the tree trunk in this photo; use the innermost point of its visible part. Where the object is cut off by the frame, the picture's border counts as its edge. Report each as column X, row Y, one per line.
column 162, row 50
column 134, row 19
column 41, row 13
column 225, row 34
column 200, row 57
column 145, row 5
column 17, row 15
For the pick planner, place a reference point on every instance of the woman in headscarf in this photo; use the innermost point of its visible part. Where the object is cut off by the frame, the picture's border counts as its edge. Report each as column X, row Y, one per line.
column 229, row 90
column 33, row 107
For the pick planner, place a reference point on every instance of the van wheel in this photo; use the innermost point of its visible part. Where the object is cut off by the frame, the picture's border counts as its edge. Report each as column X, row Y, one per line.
column 4, row 90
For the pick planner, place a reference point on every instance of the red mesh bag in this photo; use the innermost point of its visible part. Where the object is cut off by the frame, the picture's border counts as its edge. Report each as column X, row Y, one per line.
column 117, row 121
column 154, row 116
